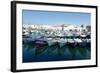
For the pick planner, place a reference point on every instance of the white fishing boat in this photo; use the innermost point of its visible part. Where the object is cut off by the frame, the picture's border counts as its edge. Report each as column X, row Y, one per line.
column 62, row 42
column 77, row 40
column 70, row 40
column 83, row 35
column 88, row 40
column 51, row 41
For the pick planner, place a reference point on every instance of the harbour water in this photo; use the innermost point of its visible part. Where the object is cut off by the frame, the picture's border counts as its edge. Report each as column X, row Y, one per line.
column 38, row 52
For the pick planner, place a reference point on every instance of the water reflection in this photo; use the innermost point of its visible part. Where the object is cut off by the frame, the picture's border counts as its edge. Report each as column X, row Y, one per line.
column 36, row 52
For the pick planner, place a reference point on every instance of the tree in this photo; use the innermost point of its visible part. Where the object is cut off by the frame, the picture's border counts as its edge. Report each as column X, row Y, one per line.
column 88, row 27
column 82, row 26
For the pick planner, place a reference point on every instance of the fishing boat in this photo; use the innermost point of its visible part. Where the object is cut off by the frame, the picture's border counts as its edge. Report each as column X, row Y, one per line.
column 75, row 36
column 40, row 43
column 62, row 42
column 78, row 41
column 28, row 40
column 83, row 36
column 51, row 41
column 70, row 42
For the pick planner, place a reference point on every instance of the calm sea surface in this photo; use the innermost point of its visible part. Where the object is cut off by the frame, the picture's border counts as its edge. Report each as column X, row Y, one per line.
column 41, row 53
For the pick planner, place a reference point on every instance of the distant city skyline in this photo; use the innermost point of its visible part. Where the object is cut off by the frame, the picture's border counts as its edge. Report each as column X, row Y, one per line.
column 54, row 18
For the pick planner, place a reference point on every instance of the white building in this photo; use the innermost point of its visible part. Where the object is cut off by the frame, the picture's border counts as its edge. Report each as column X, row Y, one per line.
column 54, row 29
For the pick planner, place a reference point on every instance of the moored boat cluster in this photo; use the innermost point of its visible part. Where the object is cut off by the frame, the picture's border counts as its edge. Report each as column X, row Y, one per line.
column 63, row 35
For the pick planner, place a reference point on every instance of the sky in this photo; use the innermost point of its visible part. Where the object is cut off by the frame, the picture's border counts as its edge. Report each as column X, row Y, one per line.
column 55, row 18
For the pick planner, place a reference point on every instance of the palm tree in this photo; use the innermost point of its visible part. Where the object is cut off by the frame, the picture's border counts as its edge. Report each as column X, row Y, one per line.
column 29, row 30
column 88, row 27
column 63, row 25
column 82, row 26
